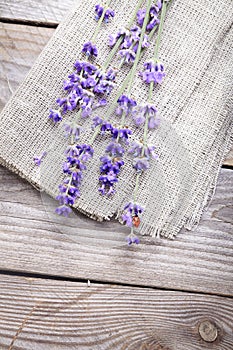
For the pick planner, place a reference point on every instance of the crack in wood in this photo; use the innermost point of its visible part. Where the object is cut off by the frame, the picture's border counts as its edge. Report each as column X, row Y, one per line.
column 19, row 330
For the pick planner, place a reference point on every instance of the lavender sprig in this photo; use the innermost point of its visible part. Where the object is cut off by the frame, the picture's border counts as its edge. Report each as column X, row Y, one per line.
column 76, row 157
column 143, row 152
column 107, row 15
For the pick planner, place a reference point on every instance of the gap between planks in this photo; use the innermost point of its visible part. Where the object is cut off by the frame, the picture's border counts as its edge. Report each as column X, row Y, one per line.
column 31, row 242
column 102, row 282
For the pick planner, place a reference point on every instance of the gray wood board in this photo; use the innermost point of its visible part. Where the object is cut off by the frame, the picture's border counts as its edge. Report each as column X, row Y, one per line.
column 45, row 12
column 43, row 314
column 32, row 241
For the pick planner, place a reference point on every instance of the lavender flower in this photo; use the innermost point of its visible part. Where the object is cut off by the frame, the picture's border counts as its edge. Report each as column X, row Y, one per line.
column 144, row 111
column 90, row 49
column 141, row 164
column 55, row 115
column 111, row 164
column 132, row 238
column 128, row 55
column 96, row 122
column 153, row 19
column 131, row 217
column 115, row 149
column 125, row 105
column 109, row 168
column 82, row 88
column 76, row 157
column 105, row 126
column 154, row 72
column 73, row 130
column 131, row 213
column 129, row 45
column 99, row 11
column 121, row 133
column 38, row 159
column 137, row 149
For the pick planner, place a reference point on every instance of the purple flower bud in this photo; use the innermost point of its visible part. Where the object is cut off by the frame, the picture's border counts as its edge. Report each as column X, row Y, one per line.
column 76, row 157
column 38, row 159
column 96, row 121
column 63, row 210
column 99, row 11
column 154, row 72
column 90, row 49
column 55, row 115
column 141, row 164
column 128, row 55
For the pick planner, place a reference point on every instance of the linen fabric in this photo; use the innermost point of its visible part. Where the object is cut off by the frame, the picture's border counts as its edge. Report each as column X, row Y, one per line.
column 194, row 103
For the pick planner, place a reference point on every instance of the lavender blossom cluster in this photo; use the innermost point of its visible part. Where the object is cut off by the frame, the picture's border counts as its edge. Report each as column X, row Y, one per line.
column 87, row 83
column 130, row 37
column 99, row 9
column 76, row 158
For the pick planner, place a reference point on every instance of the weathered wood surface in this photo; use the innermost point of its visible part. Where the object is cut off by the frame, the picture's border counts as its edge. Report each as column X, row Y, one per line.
column 43, row 12
column 51, row 315
column 20, row 46
column 32, row 242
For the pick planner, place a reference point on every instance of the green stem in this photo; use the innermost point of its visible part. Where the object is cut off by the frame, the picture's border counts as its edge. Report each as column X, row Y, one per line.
column 136, row 187
column 119, row 41
column 100, row 22
column 163, row 13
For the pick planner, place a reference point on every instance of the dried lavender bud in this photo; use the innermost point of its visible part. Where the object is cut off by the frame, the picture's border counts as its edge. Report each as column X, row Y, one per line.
column 55, row 115
column 38, row 159
column 129, row 45
column 125, row 105
column 130, row 211
column 154, row 72
column 76, row 157
column 153, row 16
column 99, row 11
column 90, row 49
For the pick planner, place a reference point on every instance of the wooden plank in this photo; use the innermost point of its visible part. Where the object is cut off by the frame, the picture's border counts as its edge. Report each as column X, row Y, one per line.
column 20, row 47
column 31, row 241
column 46, row 12
column 44, row 314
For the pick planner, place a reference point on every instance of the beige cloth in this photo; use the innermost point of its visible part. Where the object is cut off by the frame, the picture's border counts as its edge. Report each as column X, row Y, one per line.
column 194, row 104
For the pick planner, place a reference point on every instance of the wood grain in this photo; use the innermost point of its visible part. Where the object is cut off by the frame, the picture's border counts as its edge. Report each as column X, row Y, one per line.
column 43, row 12
column 19, row 48
column 32, row 241
column 50, row 315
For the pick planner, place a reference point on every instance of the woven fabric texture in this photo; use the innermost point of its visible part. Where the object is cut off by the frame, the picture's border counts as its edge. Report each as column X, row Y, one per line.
column 194, row 103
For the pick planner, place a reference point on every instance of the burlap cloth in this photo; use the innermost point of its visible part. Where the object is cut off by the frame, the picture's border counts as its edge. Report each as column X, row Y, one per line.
column 194, row 103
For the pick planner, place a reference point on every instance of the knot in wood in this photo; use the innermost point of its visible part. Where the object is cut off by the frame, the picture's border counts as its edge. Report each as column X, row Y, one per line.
column 208, row 331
